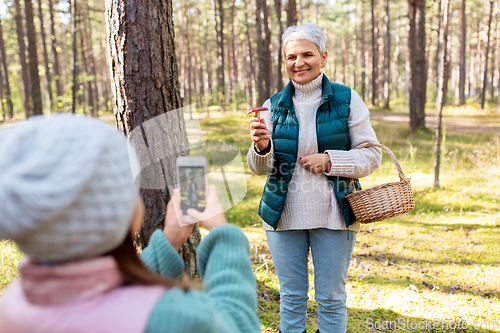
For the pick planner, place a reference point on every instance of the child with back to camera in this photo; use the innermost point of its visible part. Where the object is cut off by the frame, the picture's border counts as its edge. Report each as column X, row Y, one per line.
column 68, row 200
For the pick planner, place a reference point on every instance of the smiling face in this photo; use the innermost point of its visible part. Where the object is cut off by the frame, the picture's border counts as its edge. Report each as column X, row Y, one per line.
column 303, row 61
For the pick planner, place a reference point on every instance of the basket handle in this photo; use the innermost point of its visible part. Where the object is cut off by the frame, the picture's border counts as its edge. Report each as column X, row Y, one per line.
column 391, row 154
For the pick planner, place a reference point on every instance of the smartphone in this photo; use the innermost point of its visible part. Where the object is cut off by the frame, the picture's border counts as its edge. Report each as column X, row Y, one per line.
column 192, row 182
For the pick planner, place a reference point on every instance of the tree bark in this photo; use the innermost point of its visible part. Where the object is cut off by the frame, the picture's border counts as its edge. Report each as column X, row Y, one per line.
column 463, row 41
column 188, row 63
column 55, row 65
column 4, row 112
column 48, row 75
column 219, row 27
column 74, row 88
column 208, row 68
column 485, row 77
column 374, row 55
column 344, row 52
column 91, row 66
column 144, row 77
column 263, row 53
column 231, row 68
column 251, row 95
column 86, row 63
column 418, row 65
column 199, row 58
column 291, row 15
column 279, row 69
column 363, row 48
column 498, row 66
column 441, row 83
column 6, row 94
column 387, row 57
column 493, row 53
column 35, row 90
column 397, row 57
column 22, row 58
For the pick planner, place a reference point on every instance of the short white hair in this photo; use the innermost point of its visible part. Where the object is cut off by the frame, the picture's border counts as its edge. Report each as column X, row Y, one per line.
column 307, row 31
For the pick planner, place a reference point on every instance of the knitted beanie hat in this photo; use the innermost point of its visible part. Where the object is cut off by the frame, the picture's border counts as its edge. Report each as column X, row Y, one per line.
column 66, row 187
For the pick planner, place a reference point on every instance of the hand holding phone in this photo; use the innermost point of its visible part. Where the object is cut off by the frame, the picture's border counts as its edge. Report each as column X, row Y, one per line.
column 192, row 182
column 213, row 215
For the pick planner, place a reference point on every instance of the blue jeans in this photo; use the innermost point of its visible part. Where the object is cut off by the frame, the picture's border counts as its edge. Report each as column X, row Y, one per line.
column 331, row 252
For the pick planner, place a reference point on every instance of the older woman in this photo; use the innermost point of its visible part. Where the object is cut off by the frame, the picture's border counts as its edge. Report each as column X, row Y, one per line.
column 307, row 144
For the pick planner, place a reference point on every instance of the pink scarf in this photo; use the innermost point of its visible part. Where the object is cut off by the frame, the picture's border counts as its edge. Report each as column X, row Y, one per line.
column 69, row 282
column 78, row 297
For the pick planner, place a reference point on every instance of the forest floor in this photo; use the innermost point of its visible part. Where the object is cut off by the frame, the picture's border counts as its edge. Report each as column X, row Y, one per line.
column 435, row 269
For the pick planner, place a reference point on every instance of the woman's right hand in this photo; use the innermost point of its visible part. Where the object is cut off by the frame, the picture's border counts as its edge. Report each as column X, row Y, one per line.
column 213, row 215
column 259, row 132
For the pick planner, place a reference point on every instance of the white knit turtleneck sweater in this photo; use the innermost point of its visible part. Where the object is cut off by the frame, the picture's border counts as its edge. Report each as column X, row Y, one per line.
column 311, row 202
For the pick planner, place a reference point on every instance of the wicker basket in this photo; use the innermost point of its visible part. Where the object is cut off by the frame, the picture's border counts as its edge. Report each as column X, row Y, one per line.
column 384, row 201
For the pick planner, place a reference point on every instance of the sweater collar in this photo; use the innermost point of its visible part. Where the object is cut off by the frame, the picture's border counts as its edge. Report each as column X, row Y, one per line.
column 309, row 90
column 286, row 102
column 67, row 282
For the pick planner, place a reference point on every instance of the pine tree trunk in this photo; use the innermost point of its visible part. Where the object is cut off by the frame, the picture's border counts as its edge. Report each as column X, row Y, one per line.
column 250, row 65
column 498, row 86
column 234, row 72
column 397, row 56
column 184, row 53
column 74, row 88
column 55, row 65
column 493, row 53
column 35, row 90
column 6, row 94
column 93, row 83
column 441, row 65
column 447, row 61
column 344, row 60
column 485, row 77
column 374, row 55
column 48, row 76
column 208, row 69
column 199, row 60
column 363, row 48
column 4, row 112
column 188, row 63
column 463, row 41
column 22, row 58
column 219, row 27
column 291, row 15
column 237, row 56
column 418, row 65
column 498, row 66
column 145, row 85
column 89, row 90
column 387, row 56
column 263, row 53
column 230, row 56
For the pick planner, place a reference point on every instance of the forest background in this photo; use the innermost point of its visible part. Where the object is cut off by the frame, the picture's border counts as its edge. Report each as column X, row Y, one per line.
column 53, row 58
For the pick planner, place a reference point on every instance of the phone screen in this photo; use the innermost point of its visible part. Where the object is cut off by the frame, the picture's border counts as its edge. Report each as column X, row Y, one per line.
column 192, row 187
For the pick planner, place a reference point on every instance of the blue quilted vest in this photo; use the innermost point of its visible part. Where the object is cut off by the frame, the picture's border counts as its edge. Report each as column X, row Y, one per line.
column 332, row 131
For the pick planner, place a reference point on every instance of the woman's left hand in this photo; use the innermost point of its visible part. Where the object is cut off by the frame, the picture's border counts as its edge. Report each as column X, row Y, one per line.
column 316, row 163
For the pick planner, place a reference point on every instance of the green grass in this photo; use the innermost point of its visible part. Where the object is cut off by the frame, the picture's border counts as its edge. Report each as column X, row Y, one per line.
column 439, row 261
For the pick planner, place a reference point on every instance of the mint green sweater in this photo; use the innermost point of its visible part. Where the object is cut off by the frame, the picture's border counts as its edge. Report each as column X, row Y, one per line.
column 228, row 302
